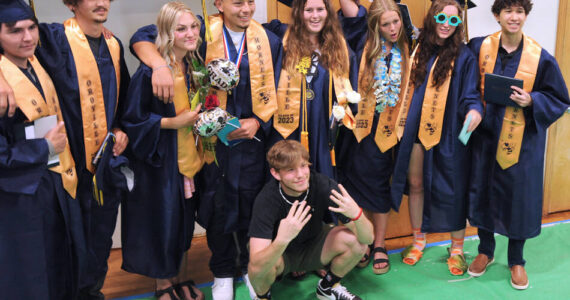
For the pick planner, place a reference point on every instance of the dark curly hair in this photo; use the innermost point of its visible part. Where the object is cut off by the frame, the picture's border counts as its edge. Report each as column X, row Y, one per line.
column 499, row 5
column 428, row 46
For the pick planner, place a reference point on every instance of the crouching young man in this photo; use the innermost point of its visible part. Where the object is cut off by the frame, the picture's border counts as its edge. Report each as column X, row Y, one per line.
column 287, row 232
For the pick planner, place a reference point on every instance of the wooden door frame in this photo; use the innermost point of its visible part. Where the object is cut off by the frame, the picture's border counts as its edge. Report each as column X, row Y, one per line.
column 562, row 54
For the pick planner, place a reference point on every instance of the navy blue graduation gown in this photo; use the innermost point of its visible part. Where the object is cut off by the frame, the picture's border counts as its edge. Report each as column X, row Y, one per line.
column 241, row 170
column 157, row 221
column 318, row 115
column 368, row 170
column 446, row 167
column 509, row 201
column 40, row 243
column 99, row 221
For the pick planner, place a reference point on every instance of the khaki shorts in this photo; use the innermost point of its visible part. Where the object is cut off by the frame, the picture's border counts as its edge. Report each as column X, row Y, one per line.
column 307, row 258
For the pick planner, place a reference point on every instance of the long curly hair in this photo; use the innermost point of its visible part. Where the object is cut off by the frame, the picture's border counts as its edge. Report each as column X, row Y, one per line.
column 166, row 25
column 428, row 46
column 374, row 39
column 331, row 40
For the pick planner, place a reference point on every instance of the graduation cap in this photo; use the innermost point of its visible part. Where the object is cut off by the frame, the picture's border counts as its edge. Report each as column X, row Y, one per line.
column 469, row 3
column 14, row 11
column 286, row 2
column 111, row 172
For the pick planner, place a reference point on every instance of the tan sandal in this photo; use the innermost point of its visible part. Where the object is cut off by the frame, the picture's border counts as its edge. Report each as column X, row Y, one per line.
column 411, row 255
column 380, row 271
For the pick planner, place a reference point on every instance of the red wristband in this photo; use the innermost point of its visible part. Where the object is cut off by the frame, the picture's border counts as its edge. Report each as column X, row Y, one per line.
column 357, row 217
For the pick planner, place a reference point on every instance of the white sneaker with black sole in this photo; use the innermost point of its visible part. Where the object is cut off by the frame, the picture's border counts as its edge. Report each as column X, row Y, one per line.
column 336, row 292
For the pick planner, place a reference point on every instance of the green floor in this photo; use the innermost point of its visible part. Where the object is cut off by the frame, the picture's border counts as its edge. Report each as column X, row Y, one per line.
column 548, row 265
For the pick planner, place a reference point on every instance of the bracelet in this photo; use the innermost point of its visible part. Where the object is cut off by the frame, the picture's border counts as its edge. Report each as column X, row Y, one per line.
column 160, row 67
column 357, row 217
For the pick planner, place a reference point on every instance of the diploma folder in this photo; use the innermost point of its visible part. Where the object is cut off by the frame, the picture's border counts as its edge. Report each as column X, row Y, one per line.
column 498, row 89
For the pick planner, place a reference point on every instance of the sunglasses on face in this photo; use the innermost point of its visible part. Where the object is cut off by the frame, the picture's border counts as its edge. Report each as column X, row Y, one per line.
column 441, row 18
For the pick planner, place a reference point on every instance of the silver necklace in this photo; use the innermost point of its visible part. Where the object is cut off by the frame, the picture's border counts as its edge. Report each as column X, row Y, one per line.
column 285, row 198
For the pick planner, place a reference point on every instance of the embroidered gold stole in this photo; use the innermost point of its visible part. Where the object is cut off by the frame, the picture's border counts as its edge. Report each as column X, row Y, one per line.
column 90, row 88
column 34, row 106
column 512, row 130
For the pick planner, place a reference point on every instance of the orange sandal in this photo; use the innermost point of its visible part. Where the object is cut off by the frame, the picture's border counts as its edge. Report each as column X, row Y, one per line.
column 411, row 255
column 457, row 265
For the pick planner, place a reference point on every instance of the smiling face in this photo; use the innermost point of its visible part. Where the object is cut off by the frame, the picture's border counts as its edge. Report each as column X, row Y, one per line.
column 294, row 179
column 186, row 33
column 445, row 30
column 390, row 25
column 237, row 13
column 511, row 19
column 314, row 16
column 95, row 11
column 19, row 42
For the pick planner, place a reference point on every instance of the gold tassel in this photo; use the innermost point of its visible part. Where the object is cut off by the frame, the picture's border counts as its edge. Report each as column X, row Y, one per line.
column 304, row 125
column 333, row 158
column 206, row 22
column 35, row 15
column 97, row 193
column 465, row 20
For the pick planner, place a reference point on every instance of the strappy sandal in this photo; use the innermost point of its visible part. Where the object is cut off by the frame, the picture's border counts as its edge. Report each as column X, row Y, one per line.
column 190, row 285
column 457, row 265
column 366, row 258
column 411, row 255
column 380, row 271
column 169, row 290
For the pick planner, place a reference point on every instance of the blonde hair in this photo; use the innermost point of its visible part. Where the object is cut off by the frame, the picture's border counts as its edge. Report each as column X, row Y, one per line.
column 286, row 154
column 374, row 39
column 166, row 25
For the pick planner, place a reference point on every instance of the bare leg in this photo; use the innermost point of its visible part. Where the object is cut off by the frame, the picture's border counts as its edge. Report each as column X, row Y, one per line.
column 342, row 250
column 183, row 276
column 415, row 177
column 262, row 281
column 162, row 284
column 380, row 222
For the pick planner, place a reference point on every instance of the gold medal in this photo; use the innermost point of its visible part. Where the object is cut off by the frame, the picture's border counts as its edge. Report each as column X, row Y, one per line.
column 310, row 94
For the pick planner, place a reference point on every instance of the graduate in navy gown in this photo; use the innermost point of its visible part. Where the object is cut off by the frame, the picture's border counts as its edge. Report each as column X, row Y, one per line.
column 506, row 192
column 443, row 84
column 383, row 64
column 228, row 188
column 314, row 23
column 91, row 77
column 39, row 240
column 158, row 215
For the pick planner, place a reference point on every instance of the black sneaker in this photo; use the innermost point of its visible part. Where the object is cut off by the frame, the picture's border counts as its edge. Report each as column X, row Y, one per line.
column 337, row 292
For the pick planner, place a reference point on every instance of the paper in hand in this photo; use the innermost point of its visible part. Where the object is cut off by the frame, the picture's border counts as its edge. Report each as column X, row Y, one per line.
column 464, row 135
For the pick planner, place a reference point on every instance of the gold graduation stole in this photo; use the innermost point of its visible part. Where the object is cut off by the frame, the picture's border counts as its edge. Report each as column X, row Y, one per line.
column 263, row 97
column 189, row 160
column 386, row 135
column 512, row 130
column 292, row 93
column 90, row 88
column 34, row 106
column 433, row 109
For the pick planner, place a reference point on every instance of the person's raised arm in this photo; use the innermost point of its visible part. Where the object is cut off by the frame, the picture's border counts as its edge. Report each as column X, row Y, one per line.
column 162, row 82
column 360, row 225
column 7, row 100
column 349, row 8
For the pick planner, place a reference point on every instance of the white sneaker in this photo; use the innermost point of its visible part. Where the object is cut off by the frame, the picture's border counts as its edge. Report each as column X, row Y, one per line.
column 252, row 293
column 223, row 289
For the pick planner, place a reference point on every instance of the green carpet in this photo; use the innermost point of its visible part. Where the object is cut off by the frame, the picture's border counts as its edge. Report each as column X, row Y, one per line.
column 548, row 265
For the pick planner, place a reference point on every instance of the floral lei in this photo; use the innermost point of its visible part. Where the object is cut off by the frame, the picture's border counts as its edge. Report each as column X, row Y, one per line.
column 387, row 85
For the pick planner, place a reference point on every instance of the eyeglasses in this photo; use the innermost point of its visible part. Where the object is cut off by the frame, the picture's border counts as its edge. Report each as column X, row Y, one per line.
column 441, row 18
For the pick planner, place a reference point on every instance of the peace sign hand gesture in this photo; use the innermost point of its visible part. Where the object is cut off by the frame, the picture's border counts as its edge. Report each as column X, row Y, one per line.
column 297, row 218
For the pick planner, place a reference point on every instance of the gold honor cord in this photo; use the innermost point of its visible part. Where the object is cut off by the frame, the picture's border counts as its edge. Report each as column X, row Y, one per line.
column 32, row 104
column 512, row 130
column 332, row 152
column 433, row 110
column 208, row 33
